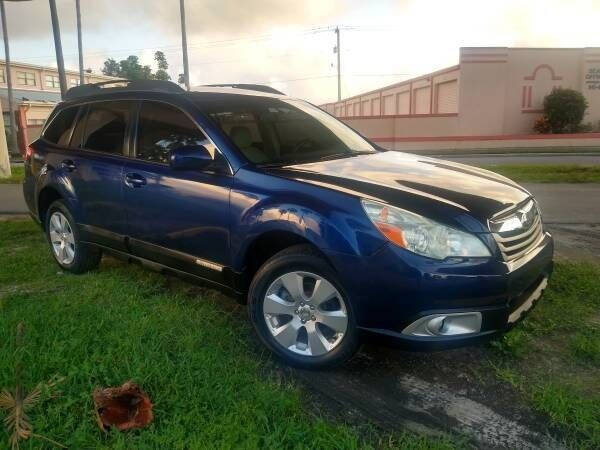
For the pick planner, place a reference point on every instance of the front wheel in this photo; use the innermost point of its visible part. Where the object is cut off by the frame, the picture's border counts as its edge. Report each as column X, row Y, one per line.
column 300, row 311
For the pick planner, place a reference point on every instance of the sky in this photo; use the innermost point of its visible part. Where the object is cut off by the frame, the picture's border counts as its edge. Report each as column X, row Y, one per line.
column 289, row 44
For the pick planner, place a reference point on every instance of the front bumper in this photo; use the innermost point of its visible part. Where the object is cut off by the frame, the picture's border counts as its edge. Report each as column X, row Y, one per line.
column 400, row 288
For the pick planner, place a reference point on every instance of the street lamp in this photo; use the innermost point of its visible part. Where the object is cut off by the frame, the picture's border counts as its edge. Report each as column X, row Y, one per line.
column 60, row 62
column 79, row 44
column 186, row 69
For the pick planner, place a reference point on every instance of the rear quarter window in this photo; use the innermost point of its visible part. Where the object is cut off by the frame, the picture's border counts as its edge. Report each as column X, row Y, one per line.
column 59, row 129
column 105, row 127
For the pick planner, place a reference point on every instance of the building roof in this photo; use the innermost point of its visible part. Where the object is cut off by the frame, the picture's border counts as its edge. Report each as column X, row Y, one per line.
column 50, row 68
column 399, row 83
column 22, row 95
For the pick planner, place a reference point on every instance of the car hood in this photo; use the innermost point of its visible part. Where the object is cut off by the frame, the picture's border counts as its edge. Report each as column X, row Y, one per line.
column 427, row 186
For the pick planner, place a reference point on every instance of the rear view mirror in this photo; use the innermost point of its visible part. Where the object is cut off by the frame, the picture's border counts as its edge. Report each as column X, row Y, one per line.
column 190, row 157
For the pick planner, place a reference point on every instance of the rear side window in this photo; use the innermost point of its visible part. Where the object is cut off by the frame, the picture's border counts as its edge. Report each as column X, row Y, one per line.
column 105, row 127
column 161, row 129
column 59, row 129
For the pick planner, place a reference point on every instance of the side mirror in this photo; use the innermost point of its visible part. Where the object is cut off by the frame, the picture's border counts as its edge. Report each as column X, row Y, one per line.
column 190, row 157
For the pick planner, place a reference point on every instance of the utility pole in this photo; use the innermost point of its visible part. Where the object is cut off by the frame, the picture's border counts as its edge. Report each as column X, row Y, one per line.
column 186, row 69
column 79, row 43
column 339, row 74
column 60, row 62
column 11, row 104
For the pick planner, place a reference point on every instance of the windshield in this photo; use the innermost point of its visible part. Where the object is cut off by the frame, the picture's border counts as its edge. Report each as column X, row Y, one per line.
column 282, row 131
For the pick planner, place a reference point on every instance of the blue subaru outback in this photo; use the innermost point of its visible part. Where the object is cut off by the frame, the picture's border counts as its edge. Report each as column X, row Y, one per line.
column 327, row 237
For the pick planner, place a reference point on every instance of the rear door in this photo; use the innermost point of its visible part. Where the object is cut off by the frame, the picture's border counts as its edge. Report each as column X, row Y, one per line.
column 179, row 218
column 101, row 138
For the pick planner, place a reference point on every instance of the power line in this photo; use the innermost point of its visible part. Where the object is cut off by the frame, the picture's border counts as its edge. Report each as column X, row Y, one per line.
column 197, row 45
column 316, row 77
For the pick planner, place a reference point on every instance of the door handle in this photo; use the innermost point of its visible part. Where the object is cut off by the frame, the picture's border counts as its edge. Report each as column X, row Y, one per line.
column 134, row 180
column 68, row 165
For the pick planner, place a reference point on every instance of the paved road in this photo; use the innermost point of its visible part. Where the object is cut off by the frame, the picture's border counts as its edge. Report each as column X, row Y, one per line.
column 564, row 203
column 11, row 199
column 527, row 158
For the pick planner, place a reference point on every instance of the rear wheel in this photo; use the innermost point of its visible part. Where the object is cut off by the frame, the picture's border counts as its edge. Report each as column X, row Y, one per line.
column 63, row 235
column 300, row 310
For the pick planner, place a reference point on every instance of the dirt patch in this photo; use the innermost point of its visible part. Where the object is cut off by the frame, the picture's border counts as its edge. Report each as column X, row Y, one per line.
column 577, row 242
column 433, row 393
column 13, row 217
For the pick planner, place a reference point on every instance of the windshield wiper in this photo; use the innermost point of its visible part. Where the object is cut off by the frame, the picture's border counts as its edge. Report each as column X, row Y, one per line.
column 337, row 155
column 350, row 154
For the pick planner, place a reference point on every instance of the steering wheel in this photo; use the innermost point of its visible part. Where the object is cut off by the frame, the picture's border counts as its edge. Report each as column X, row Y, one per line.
column 303, row 143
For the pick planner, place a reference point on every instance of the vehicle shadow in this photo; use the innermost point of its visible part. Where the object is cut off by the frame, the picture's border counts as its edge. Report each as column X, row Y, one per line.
column 453, row 392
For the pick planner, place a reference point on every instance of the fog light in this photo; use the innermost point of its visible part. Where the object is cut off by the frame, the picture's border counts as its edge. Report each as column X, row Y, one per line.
column 451, row 324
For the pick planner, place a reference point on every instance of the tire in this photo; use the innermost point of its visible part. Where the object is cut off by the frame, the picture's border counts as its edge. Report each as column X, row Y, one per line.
column 279, row 315
column 66, row 247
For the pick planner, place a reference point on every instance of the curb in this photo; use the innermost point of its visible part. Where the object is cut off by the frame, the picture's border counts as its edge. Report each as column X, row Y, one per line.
column 525, row 151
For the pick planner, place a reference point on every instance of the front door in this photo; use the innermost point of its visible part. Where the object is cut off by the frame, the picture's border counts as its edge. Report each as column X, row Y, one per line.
column 178, row 218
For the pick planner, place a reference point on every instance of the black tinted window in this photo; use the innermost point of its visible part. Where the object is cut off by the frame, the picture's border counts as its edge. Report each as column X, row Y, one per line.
column 162, row 128
column 281, row 131
column 79, row 128
column 59, row 129
column 105, row 126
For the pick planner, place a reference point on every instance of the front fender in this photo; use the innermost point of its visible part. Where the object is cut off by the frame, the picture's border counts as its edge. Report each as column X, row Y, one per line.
column 330, row 220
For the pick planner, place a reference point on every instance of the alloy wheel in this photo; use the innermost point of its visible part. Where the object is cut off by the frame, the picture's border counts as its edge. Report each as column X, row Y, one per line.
column 305, row 313
column 62, row 238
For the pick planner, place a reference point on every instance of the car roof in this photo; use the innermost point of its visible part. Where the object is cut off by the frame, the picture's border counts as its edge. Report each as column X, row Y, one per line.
column 134, row 88
column 233, row 90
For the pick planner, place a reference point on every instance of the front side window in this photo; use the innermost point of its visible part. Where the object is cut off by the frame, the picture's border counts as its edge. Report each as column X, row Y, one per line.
column 52, row 81
column 161, row 129
column 282, row 131
column 59, row 129
column 26, row 78
column 105, row 127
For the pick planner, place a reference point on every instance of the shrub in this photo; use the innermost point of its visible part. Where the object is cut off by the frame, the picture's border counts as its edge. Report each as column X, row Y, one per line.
column 542, row 125
column 564, row 110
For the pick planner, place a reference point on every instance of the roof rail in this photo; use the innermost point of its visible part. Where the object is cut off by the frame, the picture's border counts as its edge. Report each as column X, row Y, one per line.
column 250, row 87
column 86, row 90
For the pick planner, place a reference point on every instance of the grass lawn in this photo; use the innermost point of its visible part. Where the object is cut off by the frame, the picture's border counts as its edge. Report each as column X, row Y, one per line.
column 211, row 383
column 553, row 357
column 17, row 174
column 548, row 173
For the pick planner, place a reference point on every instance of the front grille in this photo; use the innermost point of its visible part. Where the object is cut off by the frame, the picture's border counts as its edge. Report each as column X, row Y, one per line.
column 517, row 231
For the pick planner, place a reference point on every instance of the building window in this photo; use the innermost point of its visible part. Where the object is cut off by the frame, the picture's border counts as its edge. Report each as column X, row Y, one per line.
column 52, row 81
column 26, row 78
column 2, row 79
column 74, row 81
column 446, row 100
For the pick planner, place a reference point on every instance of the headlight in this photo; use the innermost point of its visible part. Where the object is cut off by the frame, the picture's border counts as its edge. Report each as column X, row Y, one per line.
column 421, row 235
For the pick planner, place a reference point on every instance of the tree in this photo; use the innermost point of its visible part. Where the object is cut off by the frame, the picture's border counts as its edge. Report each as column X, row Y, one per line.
column 564, row 110
column 163, row 65
column 131, row 68
column 111, row 68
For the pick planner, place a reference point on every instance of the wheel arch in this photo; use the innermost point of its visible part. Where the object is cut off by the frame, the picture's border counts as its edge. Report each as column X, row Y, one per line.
column 268, row 244
column 46, row 197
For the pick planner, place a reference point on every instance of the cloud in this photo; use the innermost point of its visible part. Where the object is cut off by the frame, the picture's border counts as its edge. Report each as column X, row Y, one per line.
column 287, row 42
column 31, row 20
